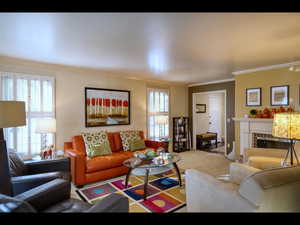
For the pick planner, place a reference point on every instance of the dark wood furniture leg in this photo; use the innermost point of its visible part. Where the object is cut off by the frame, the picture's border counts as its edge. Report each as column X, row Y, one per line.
column 178, row 173
column 146, row 184
column 127, row 177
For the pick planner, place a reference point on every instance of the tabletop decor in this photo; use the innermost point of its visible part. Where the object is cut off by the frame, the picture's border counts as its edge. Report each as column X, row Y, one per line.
column 253, row 97
column 106, row 107
column 279, row 95
column 45, row 127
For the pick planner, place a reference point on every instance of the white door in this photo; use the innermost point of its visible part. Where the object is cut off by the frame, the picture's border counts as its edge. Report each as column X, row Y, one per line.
column 200, row 120
column 215, row 114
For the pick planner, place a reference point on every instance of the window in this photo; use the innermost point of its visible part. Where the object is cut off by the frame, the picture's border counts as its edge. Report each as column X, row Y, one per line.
column 158, row 113
column 38, row 94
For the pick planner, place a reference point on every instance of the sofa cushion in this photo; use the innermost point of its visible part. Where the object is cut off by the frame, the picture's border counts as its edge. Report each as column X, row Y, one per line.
column 16, row 164
column 254, row 187
column 127, row 137
column 262, row 162
column 107, row 161
column 94, row 138
column 137, row 144
column 78, row 144
column 99, row 149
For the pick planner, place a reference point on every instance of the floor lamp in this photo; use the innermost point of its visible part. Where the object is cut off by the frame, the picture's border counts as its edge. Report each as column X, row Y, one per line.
column 12, row 114
column 287, row 125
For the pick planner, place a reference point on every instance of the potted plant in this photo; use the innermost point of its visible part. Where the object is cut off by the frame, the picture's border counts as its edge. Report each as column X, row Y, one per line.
column 253, row 113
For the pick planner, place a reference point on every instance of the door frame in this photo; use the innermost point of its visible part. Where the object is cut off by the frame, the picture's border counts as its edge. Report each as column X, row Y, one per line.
column 225, row 118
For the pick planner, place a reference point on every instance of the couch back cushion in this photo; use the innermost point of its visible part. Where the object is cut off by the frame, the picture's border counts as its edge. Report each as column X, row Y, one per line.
column 256, row 186
column 114, row 139
column 78, row 143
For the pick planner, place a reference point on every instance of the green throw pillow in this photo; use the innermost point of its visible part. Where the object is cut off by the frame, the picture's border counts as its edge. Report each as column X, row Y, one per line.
column 99, row 149
column 137, row 144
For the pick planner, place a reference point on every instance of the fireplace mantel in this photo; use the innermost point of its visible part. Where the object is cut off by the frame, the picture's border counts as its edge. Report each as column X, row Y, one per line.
column 248, row 126
column 253, row 120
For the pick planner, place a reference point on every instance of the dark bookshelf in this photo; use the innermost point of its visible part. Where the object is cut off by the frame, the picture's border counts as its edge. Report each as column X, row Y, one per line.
column 181, row 134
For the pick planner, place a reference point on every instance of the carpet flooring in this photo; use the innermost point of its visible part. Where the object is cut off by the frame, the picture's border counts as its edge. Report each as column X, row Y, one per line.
column 214, row 164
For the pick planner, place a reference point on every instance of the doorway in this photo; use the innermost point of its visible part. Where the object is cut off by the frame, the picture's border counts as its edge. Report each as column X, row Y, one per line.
column 209, row 115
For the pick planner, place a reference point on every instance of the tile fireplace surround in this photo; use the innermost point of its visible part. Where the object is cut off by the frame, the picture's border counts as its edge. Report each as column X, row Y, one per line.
column 251, row 128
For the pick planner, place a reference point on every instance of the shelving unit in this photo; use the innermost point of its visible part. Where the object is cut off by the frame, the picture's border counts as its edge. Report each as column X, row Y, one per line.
column 181, row 134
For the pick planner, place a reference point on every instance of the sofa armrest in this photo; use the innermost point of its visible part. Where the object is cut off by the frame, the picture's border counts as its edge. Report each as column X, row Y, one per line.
column 113, row 203
column 44, row 166
column 154, row 144
column 205, row 193
column 267, row 152
column 68, row 146
column 239, row 171
column 21, row 184
column 78, row 166
column 46, row 195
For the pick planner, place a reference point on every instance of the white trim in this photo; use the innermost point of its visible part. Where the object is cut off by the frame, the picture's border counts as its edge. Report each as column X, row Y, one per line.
column 266, row 68
column 212, row 82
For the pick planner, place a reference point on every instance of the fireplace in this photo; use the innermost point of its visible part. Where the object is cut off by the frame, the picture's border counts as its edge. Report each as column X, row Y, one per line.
column 260, row 140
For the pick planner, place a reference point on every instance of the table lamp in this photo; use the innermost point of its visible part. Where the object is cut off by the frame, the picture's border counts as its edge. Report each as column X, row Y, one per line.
column 45, row 126
column 287, row 125
column 162, row 120
column 12, row 114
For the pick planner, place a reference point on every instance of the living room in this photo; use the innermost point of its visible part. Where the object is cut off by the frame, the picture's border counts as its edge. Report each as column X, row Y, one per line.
column 102, row 107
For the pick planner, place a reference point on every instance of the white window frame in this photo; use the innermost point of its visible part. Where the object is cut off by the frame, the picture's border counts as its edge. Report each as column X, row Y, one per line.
column 29, row 114
column 165, row 90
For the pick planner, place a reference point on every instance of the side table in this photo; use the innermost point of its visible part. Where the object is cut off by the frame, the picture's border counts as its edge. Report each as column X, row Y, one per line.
column 164, row 140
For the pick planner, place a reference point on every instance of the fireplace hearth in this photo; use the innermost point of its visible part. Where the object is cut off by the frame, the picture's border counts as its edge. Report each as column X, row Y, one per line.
column 268, row 141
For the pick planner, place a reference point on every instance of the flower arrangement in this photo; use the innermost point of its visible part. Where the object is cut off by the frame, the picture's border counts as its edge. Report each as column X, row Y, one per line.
column 269, row 113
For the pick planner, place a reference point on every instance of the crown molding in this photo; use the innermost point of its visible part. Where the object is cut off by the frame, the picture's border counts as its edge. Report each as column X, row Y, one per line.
column 277, row 66
column 211, row 82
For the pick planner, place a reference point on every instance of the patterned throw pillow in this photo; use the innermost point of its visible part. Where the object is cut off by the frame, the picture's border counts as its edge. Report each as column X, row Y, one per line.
column 127, row 136
column 99, row 149
column 94, row 139
column 137, row 144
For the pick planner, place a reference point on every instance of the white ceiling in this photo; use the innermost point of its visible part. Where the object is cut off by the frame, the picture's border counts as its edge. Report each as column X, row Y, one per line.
column 178, row 47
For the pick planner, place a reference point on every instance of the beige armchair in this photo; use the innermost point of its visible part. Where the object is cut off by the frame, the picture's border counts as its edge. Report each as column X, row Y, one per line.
column 267, row 158
column 248, row 190
column 264, row 158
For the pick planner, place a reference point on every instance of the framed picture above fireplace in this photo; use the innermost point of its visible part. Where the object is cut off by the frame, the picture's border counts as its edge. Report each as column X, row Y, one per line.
column 106, row 107
column 253, row 97
column 279, row 95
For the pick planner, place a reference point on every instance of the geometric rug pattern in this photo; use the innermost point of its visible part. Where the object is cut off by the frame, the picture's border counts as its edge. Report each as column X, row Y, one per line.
column 164, row 193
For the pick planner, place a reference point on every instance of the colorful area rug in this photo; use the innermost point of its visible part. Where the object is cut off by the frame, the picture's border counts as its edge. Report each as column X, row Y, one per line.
column 164, row 193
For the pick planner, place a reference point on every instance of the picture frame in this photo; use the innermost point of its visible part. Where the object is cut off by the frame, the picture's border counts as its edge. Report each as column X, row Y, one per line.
column 106, row 107
column 279, row 95
column 200, row 108
column 253, row 97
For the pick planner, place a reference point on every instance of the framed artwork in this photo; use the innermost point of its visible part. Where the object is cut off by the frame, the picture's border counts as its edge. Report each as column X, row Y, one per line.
column 253, row 97
column 200, row 108
column 106, row 107
column 279, row 95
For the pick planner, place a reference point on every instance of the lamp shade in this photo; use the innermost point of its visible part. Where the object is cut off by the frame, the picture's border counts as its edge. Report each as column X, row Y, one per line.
column 286, row 125
column 12, row 114
column 46, row 125
column 162, row 120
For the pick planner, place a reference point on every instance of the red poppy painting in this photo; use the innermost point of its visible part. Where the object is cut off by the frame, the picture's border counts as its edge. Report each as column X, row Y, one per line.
column 106, row 107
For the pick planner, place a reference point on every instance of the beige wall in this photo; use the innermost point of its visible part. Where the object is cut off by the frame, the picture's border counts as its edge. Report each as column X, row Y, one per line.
column 70, row 83
column 264, row 80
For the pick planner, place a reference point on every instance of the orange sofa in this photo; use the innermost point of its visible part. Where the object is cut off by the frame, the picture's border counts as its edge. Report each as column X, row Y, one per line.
column 85, row 170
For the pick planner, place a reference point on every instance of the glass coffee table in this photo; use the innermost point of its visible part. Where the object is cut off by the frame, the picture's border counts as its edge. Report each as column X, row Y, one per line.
column 146, row 167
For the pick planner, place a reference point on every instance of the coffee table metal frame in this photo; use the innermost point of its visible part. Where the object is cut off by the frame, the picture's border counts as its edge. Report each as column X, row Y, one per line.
column 163, row 168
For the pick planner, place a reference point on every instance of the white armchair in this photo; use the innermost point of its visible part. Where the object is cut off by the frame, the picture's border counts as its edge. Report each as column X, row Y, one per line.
column 249, row 190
